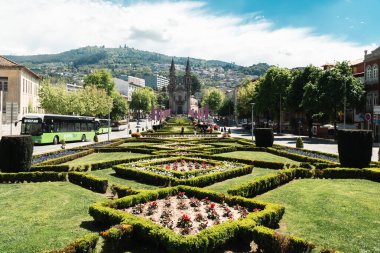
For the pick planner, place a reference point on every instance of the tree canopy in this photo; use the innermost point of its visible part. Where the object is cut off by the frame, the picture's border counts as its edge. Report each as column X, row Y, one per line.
column 214, row 98
column 143, row 99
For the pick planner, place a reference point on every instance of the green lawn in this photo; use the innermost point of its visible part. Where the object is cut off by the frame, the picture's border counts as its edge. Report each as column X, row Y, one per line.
column 340, row 213
column 224, row 185
column 42, row 216
column 112, row 179
column 256, row 155
column 102, row 157
column 136, row 144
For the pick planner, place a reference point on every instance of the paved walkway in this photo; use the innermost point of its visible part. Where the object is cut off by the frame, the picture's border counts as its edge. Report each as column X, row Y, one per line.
column 318, row 144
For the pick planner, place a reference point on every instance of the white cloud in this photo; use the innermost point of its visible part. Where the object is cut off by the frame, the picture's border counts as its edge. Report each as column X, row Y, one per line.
column 173, row 28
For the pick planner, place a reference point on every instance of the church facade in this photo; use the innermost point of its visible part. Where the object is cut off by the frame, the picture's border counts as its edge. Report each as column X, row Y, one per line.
column 179, row 91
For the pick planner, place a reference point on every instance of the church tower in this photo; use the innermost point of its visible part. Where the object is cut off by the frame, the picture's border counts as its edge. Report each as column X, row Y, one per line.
column 179, row 90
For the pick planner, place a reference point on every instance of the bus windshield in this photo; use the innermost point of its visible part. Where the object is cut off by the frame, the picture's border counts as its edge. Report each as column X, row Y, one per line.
column 31, row 128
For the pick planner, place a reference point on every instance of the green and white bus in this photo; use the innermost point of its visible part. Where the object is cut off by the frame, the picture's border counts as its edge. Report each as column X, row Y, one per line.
column 52, row 128
column 102, row 126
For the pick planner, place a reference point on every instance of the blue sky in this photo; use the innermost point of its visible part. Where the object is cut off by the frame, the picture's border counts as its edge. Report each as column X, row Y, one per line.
column 286, row 33
column 354, row 20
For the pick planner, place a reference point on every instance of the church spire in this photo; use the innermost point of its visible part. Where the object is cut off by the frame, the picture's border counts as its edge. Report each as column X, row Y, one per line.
column 188, row 70
column 172, row 77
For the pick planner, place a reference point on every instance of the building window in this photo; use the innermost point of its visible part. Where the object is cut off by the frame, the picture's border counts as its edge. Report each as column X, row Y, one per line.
column 4, row 84
column 369, row 73
column 375, row 72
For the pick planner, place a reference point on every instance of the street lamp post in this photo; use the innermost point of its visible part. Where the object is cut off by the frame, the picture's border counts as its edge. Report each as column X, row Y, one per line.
column 252, row 121
column 344, row 105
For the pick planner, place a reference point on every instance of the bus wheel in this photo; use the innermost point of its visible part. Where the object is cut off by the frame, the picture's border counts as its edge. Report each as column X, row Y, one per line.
column 83, row 138
column 55, row 140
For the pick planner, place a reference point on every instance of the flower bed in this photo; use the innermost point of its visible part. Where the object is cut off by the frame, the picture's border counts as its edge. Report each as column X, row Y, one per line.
column 110, row 213
column 186, row 165
column 48, row 156
column 188, row 216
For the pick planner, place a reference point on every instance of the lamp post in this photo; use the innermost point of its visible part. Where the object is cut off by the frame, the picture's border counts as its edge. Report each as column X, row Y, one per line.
column 252, row 121
column 344, row 105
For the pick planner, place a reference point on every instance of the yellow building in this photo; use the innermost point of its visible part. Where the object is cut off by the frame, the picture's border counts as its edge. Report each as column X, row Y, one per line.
column 20, row 87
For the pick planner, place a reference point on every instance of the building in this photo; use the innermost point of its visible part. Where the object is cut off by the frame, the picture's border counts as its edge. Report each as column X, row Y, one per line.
column 179, row 91
column 371, row 78
column 20, row 88
column 136, row 81
column 73, row 87
column 126, row 88
column 156, row 82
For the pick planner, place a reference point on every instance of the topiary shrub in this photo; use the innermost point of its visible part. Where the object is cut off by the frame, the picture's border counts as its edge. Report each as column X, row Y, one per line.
column 299, row 143
column 16, row 153
column 96, row 138
column 264, row 137
column 355, row 148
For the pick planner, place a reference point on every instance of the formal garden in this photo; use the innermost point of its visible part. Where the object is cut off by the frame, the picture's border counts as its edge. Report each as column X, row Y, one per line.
column 170, row 190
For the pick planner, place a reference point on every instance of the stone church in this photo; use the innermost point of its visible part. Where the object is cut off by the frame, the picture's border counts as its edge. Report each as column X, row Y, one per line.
column 179, row 91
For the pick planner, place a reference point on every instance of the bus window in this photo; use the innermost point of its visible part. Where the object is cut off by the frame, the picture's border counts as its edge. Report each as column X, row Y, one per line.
column 31, row 128
column 77, row 127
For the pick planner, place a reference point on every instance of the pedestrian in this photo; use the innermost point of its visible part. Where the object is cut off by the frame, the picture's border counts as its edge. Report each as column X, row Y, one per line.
column 182, row 130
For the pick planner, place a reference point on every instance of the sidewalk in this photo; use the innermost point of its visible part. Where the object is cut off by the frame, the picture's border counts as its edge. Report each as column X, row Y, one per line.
column 290, row 140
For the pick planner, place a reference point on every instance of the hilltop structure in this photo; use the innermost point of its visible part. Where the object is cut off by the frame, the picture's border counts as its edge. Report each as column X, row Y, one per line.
column 179, row 91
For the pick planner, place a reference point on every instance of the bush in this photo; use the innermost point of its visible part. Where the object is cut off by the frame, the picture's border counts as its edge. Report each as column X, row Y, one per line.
column 355, row 148
column 96, row 138
column 85, row 244
column 268, row 182
column 16, row 153
column 117, row 232
column 122, row 190
column 22, row 177
column 264, row 137
column 299, row 143
column 89, row 181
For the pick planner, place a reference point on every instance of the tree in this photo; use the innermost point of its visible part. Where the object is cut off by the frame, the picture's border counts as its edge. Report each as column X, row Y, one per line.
column 95, row 101
column 271, row 89
column 102, row 79
column 214, row 98
column 302, row 93
column 119, row 107
column 163, row 99
column 53, row 98
column 143, row 99
column 245, row 96
column 227, row 108
column 195, row 84
column 335, row 86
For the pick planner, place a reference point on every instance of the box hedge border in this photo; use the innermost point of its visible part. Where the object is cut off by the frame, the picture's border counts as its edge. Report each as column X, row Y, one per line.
column 268, row 182
column 124, row 171
column 207, row 240
column 22, row 177
column 88, row 181
column 66, row 158
column 85, row 244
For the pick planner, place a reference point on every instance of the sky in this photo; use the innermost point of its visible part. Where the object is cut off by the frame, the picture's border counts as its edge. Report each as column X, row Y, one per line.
column 287, row 33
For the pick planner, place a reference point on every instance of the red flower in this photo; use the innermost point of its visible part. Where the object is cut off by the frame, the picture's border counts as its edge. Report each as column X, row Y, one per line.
column 185, row 217
column 212, row 205
column 154, row 203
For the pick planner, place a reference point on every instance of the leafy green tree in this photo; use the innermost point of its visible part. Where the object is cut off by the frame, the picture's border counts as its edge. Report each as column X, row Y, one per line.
column 95, row 101
column 227, row 108
column 102, row 79
column 53, row 98
column 119, row 107
column 271, row 89
column 163, row 99
column 245, row 96
column 302, row 92
column 143, row 99
column 214, row 98
column 335, row 86
column 195, row 84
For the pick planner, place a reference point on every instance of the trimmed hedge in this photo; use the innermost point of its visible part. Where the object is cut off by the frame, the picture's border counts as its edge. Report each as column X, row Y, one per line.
column 207, row 240
column 256, row 163
column 269, row 240
column 157, row 179
column 22, row 177
column 264, row 137
column 88, row 181
column 355, row 148
column 64, row 159
column 86, row 244
column 268, row 182
column 122, row 190
column 352, row 173
column 16, row 153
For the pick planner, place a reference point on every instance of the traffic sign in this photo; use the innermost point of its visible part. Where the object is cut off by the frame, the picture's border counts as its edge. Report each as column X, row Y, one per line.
column 367, row 116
